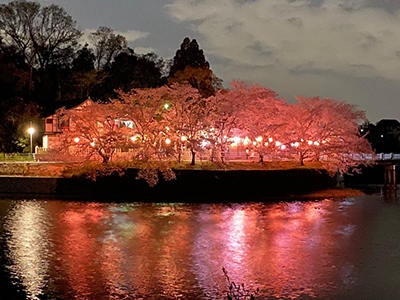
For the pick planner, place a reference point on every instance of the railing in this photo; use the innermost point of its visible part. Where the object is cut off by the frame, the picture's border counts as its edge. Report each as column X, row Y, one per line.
column 387, row 156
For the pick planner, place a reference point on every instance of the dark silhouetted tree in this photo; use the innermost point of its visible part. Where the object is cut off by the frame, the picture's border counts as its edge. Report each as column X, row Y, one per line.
column 107, row 45
column 84, row 59
column 190, row 66
column 131, row 71
column 43, row 35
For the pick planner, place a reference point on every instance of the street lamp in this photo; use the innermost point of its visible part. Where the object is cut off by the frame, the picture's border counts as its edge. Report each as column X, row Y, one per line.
column 31, row 130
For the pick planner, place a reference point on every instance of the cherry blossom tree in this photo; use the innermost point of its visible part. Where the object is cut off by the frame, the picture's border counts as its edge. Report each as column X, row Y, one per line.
column 186, row 118
column 92, row 130
column 261, row 118
column 224, row 111
column 142, row 110
column 328, row 131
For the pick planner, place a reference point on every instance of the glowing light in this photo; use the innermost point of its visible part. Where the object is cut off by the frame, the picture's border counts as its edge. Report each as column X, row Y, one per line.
column 296, row 144
column 283, row 147
column 166, row 105
column 309, row 142
column 254, row 143
column 259, row 139
column 204, row 143
column 236, row 139
column 76, row 140
column 92, row 144
column 183, row 138
column 134, row 138
column 246, row 141
column 316, row 143
column 168, row 141
column 278, row 143
column 266, row 144
column 31, row 130
column 270, row 140
column 166, row 128
column 323, row 142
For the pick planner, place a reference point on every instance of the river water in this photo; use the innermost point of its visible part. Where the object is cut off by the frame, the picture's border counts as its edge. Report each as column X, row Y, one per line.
column 327, row 249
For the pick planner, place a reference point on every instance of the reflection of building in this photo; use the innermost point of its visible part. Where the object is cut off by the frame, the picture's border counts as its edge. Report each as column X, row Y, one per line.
column 53, row 125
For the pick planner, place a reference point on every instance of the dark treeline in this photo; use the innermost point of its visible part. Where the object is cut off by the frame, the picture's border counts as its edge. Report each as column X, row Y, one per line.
column 44, row 64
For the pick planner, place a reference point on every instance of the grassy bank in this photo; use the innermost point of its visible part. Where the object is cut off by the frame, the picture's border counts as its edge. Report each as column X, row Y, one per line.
column 79, row 169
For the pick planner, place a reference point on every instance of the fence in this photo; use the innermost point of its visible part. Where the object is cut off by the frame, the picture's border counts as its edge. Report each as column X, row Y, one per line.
column 17, row 157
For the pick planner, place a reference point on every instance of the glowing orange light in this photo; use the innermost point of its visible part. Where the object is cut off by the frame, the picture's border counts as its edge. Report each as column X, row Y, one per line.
column 168, row 141
column 310, row 142
column 316, row 143
column 259, row 139
column 266, row 144
column 296, row 144
column 92, row 144
column 254, row 143
column 278, row 143
column 76, row 140
column 283, row 147
column 236, row 139
column 270, row 140
column 183, row 138
column 134, row 138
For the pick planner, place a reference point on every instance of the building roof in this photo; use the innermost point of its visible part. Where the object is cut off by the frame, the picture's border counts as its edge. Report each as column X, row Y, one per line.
column 69, row 104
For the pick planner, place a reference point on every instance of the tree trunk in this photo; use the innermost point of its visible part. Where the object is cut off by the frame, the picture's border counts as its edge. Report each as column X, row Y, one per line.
column 261, row 161
column 105, row 157
column 193, row 157
column 301, row 159
column 222, row 155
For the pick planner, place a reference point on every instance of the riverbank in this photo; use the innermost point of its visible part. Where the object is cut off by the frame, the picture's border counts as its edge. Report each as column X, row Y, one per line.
column 189, row 185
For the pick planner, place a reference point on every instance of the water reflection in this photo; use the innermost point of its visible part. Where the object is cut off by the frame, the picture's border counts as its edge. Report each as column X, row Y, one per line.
column 176, row 251
column 29, row 246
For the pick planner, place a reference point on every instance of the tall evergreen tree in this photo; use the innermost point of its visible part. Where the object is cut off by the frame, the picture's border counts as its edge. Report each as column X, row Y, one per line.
column 190, row 66
column 189, row 55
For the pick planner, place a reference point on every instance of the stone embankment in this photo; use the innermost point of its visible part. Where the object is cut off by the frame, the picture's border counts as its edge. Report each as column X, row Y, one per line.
column 206, row 185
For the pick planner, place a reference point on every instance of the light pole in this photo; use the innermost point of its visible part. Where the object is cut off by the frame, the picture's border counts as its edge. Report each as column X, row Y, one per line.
column 31, row 130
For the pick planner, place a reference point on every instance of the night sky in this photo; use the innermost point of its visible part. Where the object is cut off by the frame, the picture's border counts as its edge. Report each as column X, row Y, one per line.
column 348, row 50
